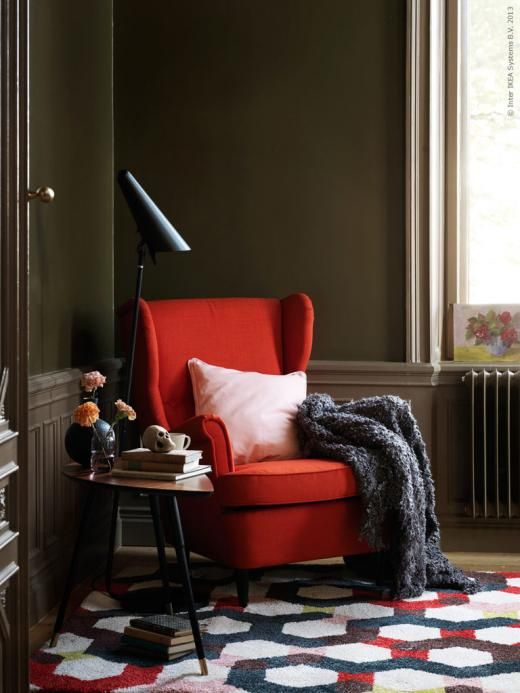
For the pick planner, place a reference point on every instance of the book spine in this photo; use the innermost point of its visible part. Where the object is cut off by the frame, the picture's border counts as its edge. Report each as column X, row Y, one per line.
column 157, row 628
column 144, row 455
column 203, row 469
column 156, row 647
column 166, row 640
column 159, row 476
column 138, row 652
column 142, row 466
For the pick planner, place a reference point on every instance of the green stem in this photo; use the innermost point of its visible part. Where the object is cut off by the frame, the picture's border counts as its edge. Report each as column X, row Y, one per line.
column 100, row 439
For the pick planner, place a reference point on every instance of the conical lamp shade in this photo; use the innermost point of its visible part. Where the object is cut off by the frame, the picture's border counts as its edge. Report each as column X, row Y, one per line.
column 156, row 231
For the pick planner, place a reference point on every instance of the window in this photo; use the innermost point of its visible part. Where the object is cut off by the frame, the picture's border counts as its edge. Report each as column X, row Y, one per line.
column 463, row 164
column 483, row 100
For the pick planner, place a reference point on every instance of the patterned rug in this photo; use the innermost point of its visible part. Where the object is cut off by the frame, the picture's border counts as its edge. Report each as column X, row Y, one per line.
column 310, row 628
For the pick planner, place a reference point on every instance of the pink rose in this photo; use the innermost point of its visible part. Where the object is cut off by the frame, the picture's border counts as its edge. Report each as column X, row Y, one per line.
column 482, row 333
column 92, row 380
column 505, row 317
column 509, row 336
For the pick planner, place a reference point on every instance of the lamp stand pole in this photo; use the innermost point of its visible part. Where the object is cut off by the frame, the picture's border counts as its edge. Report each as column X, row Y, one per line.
column 141, row 253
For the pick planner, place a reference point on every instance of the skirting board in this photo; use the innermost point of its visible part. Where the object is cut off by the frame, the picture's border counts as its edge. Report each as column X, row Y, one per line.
column 481, row 540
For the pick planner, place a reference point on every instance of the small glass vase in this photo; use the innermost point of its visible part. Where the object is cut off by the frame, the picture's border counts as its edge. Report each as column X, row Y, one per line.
column 102, row 451
column 497, row 347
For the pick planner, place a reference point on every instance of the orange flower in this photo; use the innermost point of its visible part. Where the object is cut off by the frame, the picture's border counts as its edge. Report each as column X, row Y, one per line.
column 125, row 410
column 86, row 414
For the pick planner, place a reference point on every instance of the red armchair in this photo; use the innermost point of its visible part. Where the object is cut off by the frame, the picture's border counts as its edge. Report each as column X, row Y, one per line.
column 264, row 513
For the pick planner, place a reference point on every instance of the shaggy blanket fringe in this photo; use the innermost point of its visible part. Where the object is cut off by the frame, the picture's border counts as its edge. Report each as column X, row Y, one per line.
column 379, row 437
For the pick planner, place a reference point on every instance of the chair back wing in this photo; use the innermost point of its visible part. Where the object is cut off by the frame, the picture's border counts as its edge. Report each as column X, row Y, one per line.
column 297, row 325
column 249, row 334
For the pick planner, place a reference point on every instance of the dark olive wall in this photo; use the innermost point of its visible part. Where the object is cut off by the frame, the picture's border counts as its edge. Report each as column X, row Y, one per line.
column 71, row 140
column 271, row 132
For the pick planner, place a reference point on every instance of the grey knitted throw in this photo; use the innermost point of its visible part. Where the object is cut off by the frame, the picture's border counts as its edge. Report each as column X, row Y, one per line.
column 379, row 437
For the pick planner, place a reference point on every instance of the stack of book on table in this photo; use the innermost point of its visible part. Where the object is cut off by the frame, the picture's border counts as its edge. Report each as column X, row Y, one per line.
column 160, row 636
column 175, row 465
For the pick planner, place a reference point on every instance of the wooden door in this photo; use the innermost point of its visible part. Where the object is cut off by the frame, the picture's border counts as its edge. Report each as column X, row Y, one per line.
column 13, row 347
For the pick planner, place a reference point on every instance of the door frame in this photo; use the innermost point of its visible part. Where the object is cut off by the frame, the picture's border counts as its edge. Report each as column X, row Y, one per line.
column 14, row 314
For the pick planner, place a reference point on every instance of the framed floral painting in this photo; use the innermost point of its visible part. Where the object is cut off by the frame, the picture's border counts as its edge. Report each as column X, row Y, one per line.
column 486, row 332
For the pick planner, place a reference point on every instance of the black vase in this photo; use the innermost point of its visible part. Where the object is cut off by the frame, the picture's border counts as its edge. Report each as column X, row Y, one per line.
column 78, row 441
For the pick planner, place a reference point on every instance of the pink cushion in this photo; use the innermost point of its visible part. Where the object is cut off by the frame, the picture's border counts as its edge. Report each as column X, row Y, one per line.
column 259, row 410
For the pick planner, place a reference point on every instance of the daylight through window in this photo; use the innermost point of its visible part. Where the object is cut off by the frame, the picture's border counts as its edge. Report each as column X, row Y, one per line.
column 490, row 151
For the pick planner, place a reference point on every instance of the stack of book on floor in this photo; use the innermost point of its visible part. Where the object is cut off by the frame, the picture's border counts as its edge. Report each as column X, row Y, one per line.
column 175, row 465
column 161, row 636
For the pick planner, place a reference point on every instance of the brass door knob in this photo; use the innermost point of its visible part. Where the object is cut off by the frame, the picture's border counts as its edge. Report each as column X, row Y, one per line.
column 44, row 194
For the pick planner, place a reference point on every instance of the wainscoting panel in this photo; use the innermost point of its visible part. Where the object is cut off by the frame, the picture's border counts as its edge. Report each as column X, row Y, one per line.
column 347, row 380
column 55, row 502
column 35, row 516
column 451, row 416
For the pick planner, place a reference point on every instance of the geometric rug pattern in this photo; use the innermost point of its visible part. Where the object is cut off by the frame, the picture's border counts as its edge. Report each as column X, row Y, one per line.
column 306, row 628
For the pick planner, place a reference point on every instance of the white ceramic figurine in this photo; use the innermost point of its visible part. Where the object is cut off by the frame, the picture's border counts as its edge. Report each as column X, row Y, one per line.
column 157, row 439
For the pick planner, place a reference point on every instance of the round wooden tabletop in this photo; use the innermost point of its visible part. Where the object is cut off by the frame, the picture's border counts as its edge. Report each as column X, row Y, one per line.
column 195, row 485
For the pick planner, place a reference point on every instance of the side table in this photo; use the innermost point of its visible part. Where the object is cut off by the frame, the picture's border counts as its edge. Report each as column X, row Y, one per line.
column 194, row 486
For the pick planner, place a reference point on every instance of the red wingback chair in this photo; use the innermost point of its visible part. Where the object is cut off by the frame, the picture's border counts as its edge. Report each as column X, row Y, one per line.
column 264, row 513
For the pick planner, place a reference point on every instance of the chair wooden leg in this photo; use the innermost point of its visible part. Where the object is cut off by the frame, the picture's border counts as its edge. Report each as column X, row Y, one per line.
column 256, row 574
column 242, row 580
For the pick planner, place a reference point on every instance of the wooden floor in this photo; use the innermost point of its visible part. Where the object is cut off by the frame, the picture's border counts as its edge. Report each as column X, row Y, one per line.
column 145, row 558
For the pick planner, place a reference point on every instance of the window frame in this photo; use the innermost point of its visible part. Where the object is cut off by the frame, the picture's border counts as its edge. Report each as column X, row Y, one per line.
column 436, row 246
column 456, row 98
column 425, row 181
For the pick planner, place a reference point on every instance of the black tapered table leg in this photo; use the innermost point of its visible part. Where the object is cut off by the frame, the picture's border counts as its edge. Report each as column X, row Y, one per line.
column 72, row 568
column 178, row 538
column 161, row 552
column 112, row 543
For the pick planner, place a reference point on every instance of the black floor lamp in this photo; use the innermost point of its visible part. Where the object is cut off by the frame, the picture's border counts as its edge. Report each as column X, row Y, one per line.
column 157, row 235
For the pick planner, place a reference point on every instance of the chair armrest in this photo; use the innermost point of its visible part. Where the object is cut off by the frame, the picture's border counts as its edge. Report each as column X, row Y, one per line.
column 209, row 434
